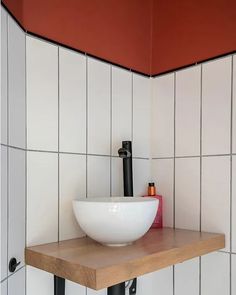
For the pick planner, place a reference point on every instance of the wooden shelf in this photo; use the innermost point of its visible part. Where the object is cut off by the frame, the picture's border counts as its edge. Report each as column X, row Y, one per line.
column 93, row 265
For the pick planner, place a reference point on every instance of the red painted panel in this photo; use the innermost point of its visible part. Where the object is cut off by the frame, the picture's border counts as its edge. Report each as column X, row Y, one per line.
column 118, row 31
column 150, row 36
column 185, row 32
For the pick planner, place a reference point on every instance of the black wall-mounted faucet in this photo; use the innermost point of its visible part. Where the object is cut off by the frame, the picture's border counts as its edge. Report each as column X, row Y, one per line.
column 126, row 154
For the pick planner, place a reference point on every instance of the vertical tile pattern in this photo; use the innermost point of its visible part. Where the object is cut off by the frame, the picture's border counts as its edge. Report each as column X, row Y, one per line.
column 187, row 193
column 141, row 116
column 42, row 198
column 162, row 131
column 234, row 204
column 4, row 73
column 72, row 288
column 234, row 104
column 16, row 283
column 98, row 176
column 187, row 277
column 72, row 186
column 16, row 84
column 39, row 282
column 98, row 107
column 121, row 107
column 16, row 218
column 215, row 274
column 3, row 288
column 233, row 275
column 216, row 196
column 216, row 102
column 159, row 282
column 162, row 174
column 72, row 73
column 141, row 176
column 117, row 177
column 42, row 95
column 4, row 214
column 188, row 91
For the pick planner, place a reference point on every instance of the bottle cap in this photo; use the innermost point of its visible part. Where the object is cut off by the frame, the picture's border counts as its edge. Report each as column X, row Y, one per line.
column 151, row 184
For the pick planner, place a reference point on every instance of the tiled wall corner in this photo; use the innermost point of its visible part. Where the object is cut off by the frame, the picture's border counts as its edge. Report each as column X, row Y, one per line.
column 121, row 107
column 234, row 105
column 72, row 96
column 187, row 277
column 159, row 282
column 141, row 116
column 162, row 129
column 4, row 73
column 98, row 176
column 72, row 185
column 4, row 212
column 216, row 196
column 16, row 85
column 215, row 274
column 163, row 176
column 234, row 204
column 216, row 102
column 16, row 283
column 42, row 94
column 188, row 94
column 99, row 107
column 187, row 193
column 42, row 198
column 233, row 274
column 16, row 204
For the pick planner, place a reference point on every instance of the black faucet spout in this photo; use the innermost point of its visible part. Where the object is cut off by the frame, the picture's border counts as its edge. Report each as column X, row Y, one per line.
column 126, row 154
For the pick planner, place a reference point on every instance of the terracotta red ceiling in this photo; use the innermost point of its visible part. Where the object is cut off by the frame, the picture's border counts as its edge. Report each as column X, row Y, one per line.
column 149, row 36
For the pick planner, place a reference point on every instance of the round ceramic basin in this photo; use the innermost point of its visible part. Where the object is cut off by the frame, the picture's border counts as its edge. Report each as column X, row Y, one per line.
column 115, row 221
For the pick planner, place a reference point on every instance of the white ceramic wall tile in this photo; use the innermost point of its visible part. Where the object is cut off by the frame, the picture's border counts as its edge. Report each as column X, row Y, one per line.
column 42, row 94
column 216, row 103
column 141, row 176
column 3, row 76
column 39, row 282
column 188, row 93
column 72, row 288
column 233, row 274
column 99, row 107
column 93, row 292
column 98, row 176
column 3, row 288
column 17, row 201
column 234, row 204
column 42, row 198
column 72, row 186
column 216, row 196
column 163, row 175
column 72, row 82
column 3, row 247
column 187, row 193
column 141, row 116
column 121, row 107
column 187, row 277
column 234, row 104
column 159, row 282
column 215, row 274
column 117, row 177
column 16, row 84
column 16, row 283
column 162, row 132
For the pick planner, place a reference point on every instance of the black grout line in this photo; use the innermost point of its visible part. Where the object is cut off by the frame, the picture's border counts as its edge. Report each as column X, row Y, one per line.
column 111, row 125
column 132, row 107
column 58, row 143
column 231, row 171
column 86, row 177
column 200, row 217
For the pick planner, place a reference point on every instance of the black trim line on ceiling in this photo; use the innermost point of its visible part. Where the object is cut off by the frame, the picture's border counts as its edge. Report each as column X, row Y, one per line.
column 107, row 61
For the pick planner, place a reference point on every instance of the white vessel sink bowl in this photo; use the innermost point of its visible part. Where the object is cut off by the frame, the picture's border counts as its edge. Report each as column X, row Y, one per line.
column 115, row 221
